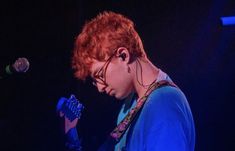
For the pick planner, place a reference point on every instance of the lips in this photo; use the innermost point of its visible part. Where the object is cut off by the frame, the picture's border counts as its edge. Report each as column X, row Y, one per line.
column 110, row 92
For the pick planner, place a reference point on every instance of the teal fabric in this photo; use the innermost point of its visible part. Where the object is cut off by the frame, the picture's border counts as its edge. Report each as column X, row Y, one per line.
column 123, row 112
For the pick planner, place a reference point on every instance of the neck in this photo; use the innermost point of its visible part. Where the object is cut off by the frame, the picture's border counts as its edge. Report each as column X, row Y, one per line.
column 144, row 73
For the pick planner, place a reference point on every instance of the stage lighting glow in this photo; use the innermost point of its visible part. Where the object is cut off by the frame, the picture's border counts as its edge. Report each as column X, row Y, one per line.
column 226, row 21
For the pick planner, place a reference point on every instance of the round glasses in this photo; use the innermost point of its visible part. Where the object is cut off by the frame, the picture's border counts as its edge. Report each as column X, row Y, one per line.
column 100, row 75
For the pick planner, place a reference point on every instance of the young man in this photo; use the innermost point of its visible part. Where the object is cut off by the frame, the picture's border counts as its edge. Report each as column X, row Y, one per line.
column 155, row 115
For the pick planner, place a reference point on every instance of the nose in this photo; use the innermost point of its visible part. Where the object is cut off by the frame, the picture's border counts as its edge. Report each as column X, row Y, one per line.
column 101, row 87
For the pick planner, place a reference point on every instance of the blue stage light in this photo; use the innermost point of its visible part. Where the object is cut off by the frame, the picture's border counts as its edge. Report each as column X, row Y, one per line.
column 226, row 21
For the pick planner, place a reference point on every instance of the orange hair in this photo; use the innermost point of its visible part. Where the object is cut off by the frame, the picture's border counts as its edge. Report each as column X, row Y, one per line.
column 100, row 37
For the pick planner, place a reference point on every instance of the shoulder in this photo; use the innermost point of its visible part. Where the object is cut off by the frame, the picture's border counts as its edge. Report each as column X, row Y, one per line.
column 166, row 95
column 166, row 116
column 166, row 103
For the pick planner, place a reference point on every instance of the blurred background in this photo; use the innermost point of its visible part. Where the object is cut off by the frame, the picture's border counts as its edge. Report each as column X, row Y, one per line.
column 185, row 38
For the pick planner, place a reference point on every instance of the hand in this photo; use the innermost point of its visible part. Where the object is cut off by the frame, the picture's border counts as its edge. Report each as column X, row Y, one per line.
column 67, row 123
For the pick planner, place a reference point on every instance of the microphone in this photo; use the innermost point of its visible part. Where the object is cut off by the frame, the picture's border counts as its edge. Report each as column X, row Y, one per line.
column 21, row 65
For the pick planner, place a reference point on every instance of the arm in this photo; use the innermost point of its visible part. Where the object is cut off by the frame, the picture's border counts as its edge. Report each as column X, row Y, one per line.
column 73, row 142
column 70, row 111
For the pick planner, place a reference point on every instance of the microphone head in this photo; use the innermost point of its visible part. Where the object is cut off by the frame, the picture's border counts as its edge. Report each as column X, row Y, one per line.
column 21, row 65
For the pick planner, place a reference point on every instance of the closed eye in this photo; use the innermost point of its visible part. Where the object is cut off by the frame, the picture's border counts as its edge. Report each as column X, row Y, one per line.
column 99, row 74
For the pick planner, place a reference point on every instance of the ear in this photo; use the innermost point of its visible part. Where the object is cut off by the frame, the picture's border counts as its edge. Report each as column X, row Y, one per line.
column 124, row 54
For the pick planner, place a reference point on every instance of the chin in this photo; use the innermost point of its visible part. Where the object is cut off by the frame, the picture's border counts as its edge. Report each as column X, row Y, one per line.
column 120, row 97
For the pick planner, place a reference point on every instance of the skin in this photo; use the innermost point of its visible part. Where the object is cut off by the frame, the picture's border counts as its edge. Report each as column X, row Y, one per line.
column 122, row 78
column 67, row 123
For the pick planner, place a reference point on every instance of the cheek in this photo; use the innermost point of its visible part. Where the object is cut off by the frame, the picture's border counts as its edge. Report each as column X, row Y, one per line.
column 122, row 85
column 118, row 78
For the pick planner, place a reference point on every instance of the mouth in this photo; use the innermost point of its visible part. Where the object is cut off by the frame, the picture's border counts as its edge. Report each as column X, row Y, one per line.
column 110, row 93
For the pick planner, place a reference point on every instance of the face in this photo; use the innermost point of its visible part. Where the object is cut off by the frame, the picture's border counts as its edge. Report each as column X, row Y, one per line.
column 112, row 77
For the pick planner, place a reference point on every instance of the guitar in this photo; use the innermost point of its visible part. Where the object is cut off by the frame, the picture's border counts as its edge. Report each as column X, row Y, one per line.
column 71, row 107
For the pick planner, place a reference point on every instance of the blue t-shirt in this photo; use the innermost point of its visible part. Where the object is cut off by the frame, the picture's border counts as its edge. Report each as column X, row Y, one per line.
column 164, row 124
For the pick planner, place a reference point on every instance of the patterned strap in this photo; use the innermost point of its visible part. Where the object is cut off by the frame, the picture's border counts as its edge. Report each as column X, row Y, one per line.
column 121, row 128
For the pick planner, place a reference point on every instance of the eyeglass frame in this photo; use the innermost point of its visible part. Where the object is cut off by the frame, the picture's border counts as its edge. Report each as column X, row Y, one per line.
column 102, row 77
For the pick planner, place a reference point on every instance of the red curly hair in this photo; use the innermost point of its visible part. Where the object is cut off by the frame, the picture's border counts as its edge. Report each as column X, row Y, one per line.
column 100, row 37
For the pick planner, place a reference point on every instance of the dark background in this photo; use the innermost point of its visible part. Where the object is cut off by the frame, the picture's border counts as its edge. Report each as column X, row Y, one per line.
column 185, row 38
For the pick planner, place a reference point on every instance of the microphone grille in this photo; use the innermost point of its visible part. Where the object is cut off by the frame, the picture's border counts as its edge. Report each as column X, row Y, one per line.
column 21, row 65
